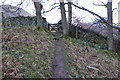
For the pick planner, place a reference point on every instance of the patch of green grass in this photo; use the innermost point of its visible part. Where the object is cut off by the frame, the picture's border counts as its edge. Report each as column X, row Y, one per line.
column 69, row 38
column 38, row 28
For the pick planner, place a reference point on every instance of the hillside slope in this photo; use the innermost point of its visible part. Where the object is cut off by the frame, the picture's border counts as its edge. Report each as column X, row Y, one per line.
column 30, row 53
column 13, row 11
column 87, row 62
column 26, row 53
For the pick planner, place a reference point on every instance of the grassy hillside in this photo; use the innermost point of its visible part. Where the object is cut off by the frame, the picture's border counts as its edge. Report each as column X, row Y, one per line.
column 87, row 62
column 29, row 53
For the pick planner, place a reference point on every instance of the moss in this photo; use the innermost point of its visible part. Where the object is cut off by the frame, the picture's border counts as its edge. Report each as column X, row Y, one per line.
column 38, row 28
column 68, row 38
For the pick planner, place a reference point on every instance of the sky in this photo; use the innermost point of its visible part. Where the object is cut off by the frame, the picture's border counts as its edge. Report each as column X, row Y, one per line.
column 54, row 16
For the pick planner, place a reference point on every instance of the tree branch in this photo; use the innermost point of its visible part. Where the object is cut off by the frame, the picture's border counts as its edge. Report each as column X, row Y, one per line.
column 114, row 9
column 51, row 9
column 54, row 8
column 96, row 15
column 99, row 5
column 102, row 2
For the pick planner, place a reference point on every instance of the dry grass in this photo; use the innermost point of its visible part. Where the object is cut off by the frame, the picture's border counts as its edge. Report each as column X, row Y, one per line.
column 27, row 53
column 87, row 62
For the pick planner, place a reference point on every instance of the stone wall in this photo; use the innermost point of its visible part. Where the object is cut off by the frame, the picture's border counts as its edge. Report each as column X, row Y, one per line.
column 21, row 21
column 92, row 37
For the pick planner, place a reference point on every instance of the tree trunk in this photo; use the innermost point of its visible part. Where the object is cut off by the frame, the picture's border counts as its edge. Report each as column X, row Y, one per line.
column 63, row 17
column 110, row 28
column 69, row 15
column 38, row 8
column 117, row 42
column 119, row 13
column 118, row 35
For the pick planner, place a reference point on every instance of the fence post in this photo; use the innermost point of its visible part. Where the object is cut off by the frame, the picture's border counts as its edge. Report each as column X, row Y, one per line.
column 1, row 24
column 1, row 19
column 76, row 32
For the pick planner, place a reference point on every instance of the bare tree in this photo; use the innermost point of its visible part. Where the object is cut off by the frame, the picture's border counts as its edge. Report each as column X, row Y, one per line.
column 117, row 45
column 110, row 38
column 69, row 13
column 110, row 25
column 38, row 7
column 110, row 28
column 63, row 17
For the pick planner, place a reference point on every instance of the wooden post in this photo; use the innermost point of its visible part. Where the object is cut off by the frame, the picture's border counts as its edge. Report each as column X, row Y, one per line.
column 76, row 32
column 1, row 19
column 1, row 24
column 109, row 28
column 38, row 7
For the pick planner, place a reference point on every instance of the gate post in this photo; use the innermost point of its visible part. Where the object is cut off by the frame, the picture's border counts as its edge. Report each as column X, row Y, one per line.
column 1, row 24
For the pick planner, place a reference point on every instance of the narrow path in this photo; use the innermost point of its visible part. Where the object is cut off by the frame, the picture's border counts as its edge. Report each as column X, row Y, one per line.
column 58, row 63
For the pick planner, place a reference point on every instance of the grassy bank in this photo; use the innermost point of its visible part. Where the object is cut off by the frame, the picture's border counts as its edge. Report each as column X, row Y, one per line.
column 84, row 61
column 27, row 53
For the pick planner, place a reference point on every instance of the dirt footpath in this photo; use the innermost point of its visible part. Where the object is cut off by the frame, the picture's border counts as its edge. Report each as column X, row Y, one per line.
column 58, row 63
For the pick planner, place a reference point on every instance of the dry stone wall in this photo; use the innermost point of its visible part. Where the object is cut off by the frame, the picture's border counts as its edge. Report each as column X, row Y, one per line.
column 20, row 21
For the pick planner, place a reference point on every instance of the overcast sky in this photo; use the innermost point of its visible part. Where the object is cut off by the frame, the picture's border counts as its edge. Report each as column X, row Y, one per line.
column 54, row 16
